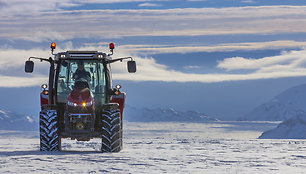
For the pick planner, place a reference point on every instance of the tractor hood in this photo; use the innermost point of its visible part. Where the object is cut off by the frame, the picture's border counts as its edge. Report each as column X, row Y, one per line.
column 80, row 97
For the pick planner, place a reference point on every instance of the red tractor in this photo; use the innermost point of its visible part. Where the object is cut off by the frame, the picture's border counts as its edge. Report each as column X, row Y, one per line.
column 80, row 102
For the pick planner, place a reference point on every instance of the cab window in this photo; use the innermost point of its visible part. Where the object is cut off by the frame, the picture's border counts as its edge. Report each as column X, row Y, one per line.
column 87, row 71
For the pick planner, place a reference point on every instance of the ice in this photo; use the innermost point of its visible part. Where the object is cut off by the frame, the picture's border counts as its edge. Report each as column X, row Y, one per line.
column 223, row 147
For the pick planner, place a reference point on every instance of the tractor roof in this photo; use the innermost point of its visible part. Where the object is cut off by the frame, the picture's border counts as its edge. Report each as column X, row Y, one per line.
column 82, row 55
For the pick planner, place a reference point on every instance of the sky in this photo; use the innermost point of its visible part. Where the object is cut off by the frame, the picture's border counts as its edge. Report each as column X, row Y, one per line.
column 219, row 57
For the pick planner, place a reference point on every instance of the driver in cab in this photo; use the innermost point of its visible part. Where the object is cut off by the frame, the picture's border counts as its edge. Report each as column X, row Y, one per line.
column 81, row 72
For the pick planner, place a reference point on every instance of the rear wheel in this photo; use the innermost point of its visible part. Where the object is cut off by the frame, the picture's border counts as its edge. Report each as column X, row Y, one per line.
column 49, row 139
column 111, row 129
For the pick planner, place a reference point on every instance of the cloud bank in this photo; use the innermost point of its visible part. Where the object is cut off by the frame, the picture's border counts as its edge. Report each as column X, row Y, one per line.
column 288, row 64
column 43, row 23
column 40, row 21
column 225, row 47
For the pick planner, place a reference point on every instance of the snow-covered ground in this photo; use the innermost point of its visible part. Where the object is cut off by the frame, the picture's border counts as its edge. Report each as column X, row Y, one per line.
column 223, row 147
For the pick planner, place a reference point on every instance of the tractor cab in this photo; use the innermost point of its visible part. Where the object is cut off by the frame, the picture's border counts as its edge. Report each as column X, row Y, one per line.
column 83, row 72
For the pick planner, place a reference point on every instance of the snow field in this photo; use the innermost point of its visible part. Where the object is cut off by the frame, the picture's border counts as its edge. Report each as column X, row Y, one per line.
column 161, row 148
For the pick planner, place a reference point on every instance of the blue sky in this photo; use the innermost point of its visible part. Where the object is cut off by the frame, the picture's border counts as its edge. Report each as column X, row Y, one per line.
column 220, row 57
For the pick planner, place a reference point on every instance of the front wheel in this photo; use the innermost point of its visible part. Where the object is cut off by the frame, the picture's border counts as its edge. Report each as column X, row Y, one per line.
column 48, row 125
column 111, row 129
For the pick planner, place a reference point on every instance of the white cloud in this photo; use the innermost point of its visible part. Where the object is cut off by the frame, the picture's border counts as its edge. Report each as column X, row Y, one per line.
column 41, row 24
column 19, row 81
column 10, row 58
column 149, row 5
column 159, row 49
column 34, row 6
column 192, row 67
column 39, row 20
column 287, row 60
column 248, row 1
column 47, row 35
column 288, row 64
column 153, row 73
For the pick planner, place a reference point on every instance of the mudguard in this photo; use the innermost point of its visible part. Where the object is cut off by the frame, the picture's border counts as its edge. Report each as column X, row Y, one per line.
column 44, row 99
column 120, row 99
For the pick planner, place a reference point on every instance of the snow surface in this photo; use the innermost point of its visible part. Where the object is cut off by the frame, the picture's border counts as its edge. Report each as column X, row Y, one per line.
column 293, row 128
column 223, row 147
column 282, row 107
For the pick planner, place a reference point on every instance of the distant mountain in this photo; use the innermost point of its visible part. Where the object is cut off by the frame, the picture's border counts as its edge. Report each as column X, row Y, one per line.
column 282, row 107
column 164, row 115
column 293, row 128
column 14, row 121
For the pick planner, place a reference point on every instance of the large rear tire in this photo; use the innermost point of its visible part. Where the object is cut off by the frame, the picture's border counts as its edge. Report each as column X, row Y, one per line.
column 49, row 139
column 111, row 129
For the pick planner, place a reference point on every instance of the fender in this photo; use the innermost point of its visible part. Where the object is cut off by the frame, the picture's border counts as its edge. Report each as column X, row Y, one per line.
column 44, row 99
column 120, row 99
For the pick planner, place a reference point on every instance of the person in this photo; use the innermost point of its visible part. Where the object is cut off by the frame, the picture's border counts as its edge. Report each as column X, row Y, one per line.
column 81, row 72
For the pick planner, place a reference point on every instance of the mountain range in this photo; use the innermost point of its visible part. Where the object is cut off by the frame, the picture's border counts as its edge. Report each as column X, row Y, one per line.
column 282, row 107
column 293, row 128
column 288, row 107
column 164, row 115
column 14, row 121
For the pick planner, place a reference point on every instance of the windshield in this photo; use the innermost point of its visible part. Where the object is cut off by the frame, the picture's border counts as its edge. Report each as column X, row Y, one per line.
column 81, row 73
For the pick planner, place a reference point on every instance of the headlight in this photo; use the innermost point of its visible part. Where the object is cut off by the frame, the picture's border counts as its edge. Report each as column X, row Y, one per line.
column 71, row 103
column 84, row 104
column 88, row 103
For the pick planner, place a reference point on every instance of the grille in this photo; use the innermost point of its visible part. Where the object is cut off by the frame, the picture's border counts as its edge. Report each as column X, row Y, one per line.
column 80, row 109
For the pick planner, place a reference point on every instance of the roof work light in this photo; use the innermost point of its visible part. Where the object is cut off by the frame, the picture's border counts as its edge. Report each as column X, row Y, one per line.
column 112, row 47
column 53, row 45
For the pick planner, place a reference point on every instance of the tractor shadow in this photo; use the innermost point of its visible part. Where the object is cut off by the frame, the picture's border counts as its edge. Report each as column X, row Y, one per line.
column 40, row 153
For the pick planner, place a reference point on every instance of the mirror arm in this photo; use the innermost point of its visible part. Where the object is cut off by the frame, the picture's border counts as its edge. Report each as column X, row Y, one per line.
column 41, row 59
column 119, row 59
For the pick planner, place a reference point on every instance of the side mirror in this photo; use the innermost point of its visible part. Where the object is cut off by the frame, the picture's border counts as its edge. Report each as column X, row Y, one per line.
column 131, row 65
column 29, row 66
